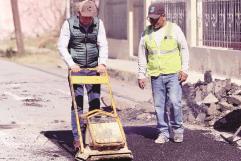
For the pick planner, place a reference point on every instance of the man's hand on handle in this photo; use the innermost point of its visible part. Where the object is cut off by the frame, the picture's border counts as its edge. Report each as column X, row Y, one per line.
column 101, row 68
column 75, row 68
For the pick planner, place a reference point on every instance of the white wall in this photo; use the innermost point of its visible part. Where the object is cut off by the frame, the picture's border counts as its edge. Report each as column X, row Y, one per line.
column 6, row 22
column 37, row 17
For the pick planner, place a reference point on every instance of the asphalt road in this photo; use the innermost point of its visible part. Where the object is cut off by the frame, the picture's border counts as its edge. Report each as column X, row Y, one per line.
column 197, row 146
column 35, row 123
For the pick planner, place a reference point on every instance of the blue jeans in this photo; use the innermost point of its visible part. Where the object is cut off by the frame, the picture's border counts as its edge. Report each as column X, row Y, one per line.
column 167, row 88
column 93, row 92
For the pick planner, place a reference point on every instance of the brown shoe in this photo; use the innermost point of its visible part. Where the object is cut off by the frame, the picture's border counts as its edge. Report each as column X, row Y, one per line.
column 76, row 145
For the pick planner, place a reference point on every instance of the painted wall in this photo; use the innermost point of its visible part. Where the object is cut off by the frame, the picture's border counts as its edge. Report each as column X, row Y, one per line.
column 37, row 17
column 6, row 22
column 123, row 31
column 219, row 61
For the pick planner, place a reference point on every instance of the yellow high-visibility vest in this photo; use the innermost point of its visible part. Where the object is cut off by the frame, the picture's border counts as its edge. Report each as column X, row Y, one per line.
column 163, row 58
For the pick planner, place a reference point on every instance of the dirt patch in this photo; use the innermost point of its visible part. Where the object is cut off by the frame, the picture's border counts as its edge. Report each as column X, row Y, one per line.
column 33, row 102
column 12, row 82
column 3, row 97
column 9, row 126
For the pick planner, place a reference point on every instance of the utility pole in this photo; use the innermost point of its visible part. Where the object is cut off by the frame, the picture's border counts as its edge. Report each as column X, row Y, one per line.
column 67, row 3
column 17, row 26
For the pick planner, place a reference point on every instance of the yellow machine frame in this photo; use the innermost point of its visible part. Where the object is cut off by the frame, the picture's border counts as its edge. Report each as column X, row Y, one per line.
column 102, row 79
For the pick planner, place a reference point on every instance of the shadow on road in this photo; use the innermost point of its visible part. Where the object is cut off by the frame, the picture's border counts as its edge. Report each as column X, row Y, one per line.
column 149, row 132
column 62, row 139
column 229, row 123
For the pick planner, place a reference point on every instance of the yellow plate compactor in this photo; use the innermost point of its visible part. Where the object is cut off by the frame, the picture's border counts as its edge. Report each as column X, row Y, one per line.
column 104, row 137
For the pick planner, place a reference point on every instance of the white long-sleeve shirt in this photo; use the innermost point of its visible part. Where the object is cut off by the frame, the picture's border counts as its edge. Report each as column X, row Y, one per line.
column 159, row 36
column 64, row 38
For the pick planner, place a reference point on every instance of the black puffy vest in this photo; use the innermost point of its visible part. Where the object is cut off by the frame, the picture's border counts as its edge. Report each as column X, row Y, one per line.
column 83, row 44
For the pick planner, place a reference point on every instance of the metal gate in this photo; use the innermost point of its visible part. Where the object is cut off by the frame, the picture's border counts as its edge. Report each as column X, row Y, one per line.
column 221, row 23
column 176, row 12
column 115, row 16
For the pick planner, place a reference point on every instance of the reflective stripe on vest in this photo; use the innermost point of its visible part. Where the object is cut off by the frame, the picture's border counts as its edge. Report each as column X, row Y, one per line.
column 165, row 57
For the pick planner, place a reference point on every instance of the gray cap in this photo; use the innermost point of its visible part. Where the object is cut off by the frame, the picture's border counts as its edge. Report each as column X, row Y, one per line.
column 156, row 10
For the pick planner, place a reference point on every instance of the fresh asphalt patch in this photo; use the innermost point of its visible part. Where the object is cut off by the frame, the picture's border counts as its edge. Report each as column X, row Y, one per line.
column 197, row 146
column 229, row 123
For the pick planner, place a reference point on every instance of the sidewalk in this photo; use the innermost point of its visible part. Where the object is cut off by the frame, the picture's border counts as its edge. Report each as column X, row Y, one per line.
column 126, row 70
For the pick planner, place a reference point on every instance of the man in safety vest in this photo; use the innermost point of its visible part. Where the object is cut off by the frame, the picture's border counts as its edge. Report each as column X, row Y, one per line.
column 164, row 56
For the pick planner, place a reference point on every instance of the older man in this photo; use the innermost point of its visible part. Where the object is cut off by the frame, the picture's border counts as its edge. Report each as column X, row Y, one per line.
column 163, row 55
column 83, row 44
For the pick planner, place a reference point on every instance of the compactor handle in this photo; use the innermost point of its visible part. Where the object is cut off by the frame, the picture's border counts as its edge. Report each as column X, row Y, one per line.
column 78, row 79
